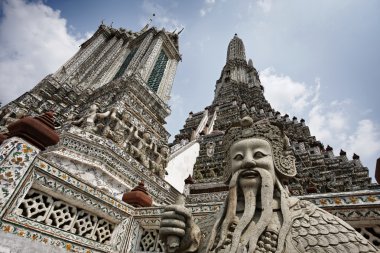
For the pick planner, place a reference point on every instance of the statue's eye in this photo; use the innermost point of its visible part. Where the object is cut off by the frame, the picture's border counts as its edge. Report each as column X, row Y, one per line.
column 259, row 154
column 238, row 157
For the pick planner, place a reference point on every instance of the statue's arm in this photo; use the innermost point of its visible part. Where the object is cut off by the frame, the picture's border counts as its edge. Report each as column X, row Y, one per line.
column 77, row 122
column 178, row 230
column 102, row 115
column 136, row 134
column 113, row 115
column 154, row 147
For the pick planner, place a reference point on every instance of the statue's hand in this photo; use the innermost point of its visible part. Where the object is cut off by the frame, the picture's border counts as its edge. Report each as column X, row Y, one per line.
column 178, row 230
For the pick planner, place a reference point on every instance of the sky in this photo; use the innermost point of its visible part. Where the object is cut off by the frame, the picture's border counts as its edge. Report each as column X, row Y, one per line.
column 317, row 60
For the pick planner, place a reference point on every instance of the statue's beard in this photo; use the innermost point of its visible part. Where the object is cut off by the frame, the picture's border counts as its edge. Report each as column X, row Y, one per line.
column 247, row 231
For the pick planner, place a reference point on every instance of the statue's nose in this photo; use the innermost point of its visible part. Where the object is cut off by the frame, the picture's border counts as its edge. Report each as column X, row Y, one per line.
column 250, row 163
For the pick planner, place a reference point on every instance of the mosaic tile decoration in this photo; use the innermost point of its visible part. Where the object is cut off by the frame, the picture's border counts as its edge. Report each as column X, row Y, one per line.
column 14, row 166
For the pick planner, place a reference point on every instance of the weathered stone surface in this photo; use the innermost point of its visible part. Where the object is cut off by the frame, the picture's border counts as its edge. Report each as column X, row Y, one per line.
column 11, row 243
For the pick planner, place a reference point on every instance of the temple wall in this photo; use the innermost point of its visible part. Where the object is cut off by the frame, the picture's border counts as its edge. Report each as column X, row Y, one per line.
column 11, row 243
column 181, row 165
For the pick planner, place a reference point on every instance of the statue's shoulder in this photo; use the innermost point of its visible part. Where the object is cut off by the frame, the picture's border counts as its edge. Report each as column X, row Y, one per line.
column 316, row 230
column 206, row 224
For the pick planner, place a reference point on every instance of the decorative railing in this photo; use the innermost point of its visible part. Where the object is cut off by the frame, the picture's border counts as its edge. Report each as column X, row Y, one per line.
column 43, row 208
column 150, row 242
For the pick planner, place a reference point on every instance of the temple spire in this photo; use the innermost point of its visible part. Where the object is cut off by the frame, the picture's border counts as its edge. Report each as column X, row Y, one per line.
column 236, row 50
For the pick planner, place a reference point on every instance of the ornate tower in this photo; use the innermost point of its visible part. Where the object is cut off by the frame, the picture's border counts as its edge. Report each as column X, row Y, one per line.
column 110, row 104
column 148, row 57
column 117, row 87
column 321, row 174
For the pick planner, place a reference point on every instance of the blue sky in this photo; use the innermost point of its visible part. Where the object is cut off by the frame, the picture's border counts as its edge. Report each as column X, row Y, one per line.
column 318, row 60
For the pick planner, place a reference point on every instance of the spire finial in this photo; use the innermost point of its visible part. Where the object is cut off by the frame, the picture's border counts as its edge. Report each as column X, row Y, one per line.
column 180, row 31
column 151, row 19
column 236, row 49
column 148, row 24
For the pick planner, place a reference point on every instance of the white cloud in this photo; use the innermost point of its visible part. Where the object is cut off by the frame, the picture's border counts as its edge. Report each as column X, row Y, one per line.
column 207, row 7
column 365, row 141
column 265, row 5
column 162, row 18
column 334, row 125
column 34, row 42
column 286, row 94
column 328, row 123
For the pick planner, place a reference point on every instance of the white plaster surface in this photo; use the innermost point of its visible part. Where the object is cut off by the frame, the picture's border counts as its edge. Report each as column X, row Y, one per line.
column 181, row 166
column 10, row 243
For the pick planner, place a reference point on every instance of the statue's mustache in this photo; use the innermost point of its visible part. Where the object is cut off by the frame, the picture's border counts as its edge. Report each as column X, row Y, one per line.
column 250, row 173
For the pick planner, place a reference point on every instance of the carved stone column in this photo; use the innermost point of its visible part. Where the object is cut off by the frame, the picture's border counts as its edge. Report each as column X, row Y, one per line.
column 71, row 65
column 139, row 54
column 90, row 68
column 166, row 84
column 102, row 66
column 115, row 65
column 147, row 63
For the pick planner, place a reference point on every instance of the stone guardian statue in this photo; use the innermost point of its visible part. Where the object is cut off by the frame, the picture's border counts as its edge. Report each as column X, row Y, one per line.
column 258, row 214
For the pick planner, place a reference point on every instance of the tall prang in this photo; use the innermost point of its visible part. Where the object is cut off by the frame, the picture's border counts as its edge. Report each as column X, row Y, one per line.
column 335, row 183
column 148, row 57
column 84, row 187
column 116, row 87
column 239, row 93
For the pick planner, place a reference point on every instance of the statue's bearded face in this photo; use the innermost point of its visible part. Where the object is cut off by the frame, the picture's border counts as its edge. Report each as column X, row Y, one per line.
column 249, row 155
column 252, row 170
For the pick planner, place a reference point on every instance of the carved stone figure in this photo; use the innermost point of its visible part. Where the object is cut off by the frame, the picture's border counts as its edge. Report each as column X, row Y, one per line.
column 122, row 131
column 90, row 118
column 117, row 129
column 110, row 123
column 61, row 73
column 210, row 148
column 198, row 175
column 140, row 150
column 210, row 173
column 159, row 164
column 11, row 116
column 258, row 214
column 74, row 79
